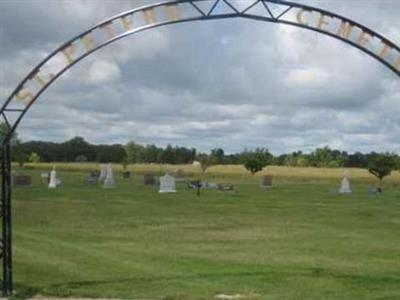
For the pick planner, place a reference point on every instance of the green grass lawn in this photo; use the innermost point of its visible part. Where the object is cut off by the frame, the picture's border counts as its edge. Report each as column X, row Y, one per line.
column 293, row 241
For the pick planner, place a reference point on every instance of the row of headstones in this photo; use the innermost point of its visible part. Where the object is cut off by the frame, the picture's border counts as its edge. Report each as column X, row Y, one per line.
column 106, row 177
column 51, row 178
column 48, row 178
column 167, row 183
column 346, row 189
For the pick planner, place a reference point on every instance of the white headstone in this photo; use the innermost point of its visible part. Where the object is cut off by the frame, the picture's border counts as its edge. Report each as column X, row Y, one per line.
column 345, row 186
column 167, row 184
column 103, row 172
column 109, row 180
column 53, row 178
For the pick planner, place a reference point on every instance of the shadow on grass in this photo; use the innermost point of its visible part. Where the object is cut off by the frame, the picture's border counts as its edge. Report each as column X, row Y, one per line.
column 357, row 279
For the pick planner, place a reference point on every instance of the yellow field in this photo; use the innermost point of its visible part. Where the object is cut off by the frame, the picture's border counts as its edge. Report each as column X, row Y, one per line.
column 230, row 171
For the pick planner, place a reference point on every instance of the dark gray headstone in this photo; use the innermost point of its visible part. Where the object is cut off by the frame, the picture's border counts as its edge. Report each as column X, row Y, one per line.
column 194, row 184
column 21, row 180
column 149, row 179
column 95, row 173
column 91, row 180
column 266, row 181
column 226, row 187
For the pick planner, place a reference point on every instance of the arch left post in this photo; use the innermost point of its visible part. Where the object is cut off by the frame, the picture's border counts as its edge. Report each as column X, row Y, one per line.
column 6, row 250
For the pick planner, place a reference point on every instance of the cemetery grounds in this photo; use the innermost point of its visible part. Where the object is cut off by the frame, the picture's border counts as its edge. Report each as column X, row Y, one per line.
column 296, row 240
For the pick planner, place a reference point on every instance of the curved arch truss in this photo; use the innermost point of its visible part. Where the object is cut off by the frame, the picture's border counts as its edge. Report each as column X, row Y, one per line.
column 155, row 15
column 178, row 11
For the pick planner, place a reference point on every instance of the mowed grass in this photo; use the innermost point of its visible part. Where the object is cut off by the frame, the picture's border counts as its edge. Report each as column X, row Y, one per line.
column 293, row 241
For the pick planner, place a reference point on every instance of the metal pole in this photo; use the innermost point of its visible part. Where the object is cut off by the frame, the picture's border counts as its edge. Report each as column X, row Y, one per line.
column 6, row 214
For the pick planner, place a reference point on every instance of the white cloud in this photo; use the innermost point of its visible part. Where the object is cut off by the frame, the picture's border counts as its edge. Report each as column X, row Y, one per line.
column 307, row 77
column 102, row 71
column 231, row 83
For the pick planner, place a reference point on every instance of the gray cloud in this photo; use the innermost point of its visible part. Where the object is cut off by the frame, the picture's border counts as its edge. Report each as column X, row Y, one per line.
column 231, row 84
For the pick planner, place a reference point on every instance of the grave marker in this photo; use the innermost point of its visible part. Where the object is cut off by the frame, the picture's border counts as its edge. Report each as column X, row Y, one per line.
column 345, row 185
column 266, row 181
column 149, row 179
column 167, row 184
column 53, row 178
column 21, row 180
column 109, row 178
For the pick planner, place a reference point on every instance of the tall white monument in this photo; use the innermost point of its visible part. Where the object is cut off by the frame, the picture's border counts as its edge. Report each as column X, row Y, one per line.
column 103, row 172
column 53, row 178
column 109, row 180
column 167, row 184
column 345, row 185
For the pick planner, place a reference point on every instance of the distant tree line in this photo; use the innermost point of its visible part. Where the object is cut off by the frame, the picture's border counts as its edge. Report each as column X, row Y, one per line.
column 79, row 150
column 328, row 158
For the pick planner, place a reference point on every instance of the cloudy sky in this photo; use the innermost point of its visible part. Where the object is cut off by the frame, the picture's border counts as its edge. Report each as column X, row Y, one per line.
column 227, row 83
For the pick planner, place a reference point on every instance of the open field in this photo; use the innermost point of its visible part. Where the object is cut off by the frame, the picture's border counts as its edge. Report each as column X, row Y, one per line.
column 231, row 172
column 293, row 241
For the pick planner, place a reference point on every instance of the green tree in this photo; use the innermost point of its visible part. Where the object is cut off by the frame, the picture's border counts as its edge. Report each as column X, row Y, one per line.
column 166, row 156
column 255, row 161
column 81, row 158
column 18, row 153
column 130, row 151
column 20, row 156
column 254, row 165
column 124, row 163
column 74, row 148
column 34, row 157
column 302, row 161
column 322, row 157
column 382, row 165
column 205, row 161
column 152, row 154
column 218, row 155
column 110, row 153
column 290, row 160
column 357, row 160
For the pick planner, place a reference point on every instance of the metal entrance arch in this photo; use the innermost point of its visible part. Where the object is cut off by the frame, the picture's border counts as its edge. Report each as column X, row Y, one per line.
column 155, row 15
